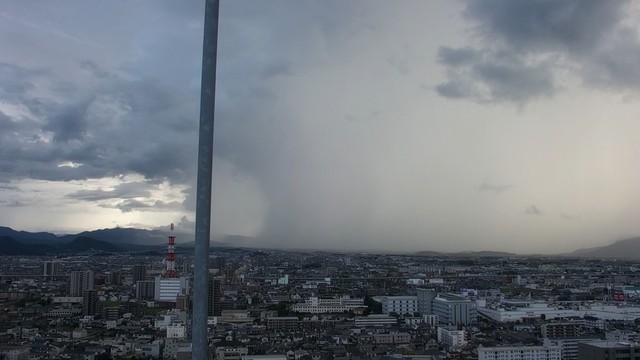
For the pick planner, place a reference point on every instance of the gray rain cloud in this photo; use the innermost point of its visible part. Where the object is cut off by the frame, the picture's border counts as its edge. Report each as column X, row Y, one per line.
column 523, row 51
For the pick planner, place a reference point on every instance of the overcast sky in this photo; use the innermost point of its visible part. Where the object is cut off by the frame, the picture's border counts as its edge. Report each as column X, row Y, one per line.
column 399, row 125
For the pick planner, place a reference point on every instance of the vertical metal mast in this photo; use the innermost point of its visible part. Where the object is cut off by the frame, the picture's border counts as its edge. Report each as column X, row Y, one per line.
column 200, row 348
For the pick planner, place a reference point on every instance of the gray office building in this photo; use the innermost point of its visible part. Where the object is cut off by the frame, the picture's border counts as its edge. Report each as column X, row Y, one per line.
column 139, row 273
column 145, row 290
column 605, row 350
column 425, row 300
column 454, row 309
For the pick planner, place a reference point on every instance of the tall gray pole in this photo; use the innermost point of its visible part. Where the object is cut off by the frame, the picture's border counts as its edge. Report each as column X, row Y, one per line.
column 200, row 348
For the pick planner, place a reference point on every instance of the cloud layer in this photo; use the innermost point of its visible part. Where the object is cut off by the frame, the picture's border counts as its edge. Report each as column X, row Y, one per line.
column 526, row 51
column 352, row 125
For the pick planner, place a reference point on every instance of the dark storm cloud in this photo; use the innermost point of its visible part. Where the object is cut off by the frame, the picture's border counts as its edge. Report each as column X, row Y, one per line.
column 124, row 125
column 494, row 77
column 578, row 26
column 70, row 123
column 456, row 88
column 141, row 116
column 523, row 43
column 533, row 210
column 618, row 66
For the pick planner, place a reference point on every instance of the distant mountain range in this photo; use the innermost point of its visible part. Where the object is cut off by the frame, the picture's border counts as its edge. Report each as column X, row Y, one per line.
column 11, row 246
column 622, row 249
column 468, row 254
column 84, row 243
column 13, row 242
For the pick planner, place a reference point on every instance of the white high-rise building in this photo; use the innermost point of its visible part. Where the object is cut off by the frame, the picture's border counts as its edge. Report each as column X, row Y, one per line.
column 167, row 289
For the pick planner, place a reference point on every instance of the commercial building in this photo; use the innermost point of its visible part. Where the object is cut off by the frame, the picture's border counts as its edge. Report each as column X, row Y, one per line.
column 214, row 297
column 167, row 289
column 452, row 337
column 315, row 305
column 425, row 300
column 392, row 338
column 174, row 347
column 228, row 350
column 431, row 320
column 234, row 317
column 80, row 281
column 569, row 346
column 265, row 357
column 110, row 313
column 454, row 310
column 176, row 331
column 114, row 278
column 145, row 290
column 375, row 320
column 50, row 269
column 399, row 304
column 139, row 273
column 520, row 353
column 622, row 336
column 522, row 310
column 283, row 323
column 608, row 350
column 560, row 329
column 90, row 303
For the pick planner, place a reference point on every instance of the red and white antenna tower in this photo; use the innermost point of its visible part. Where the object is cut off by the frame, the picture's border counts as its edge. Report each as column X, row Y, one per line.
column 171, row 272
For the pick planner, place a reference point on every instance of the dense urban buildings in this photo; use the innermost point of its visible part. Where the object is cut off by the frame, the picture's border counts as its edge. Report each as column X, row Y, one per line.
column 268, row 304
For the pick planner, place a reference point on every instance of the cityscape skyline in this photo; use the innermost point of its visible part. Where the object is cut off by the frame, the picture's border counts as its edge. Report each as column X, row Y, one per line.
column 447, row 126
column 267, row 304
